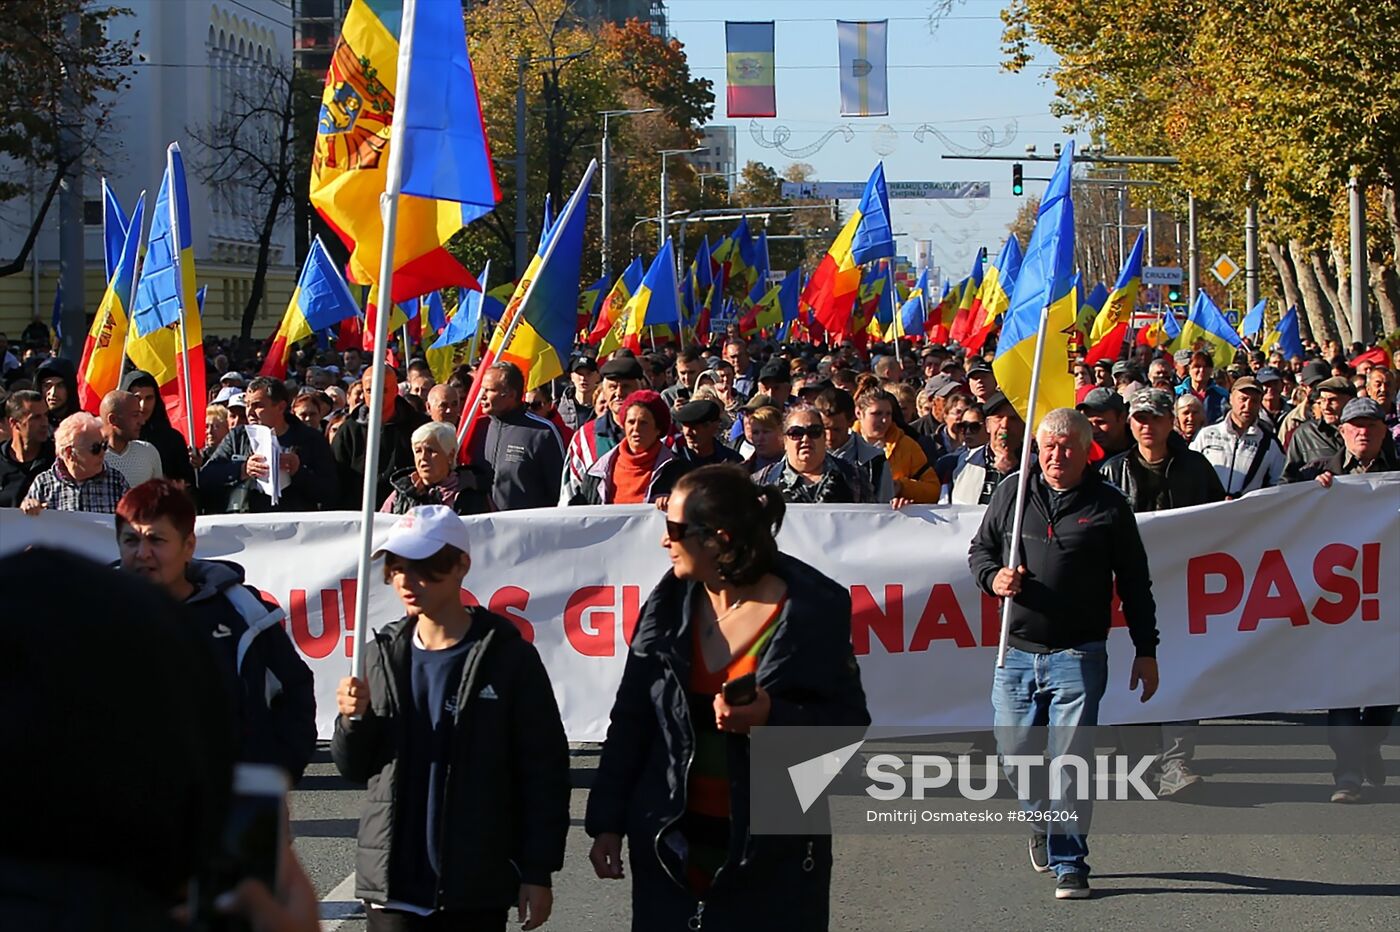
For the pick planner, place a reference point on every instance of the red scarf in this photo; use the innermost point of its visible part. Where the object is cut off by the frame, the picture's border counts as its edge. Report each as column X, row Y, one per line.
column 631, row 473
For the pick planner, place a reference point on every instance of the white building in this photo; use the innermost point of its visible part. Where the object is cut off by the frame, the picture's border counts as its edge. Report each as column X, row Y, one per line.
column 193, row 55
column 718, row 156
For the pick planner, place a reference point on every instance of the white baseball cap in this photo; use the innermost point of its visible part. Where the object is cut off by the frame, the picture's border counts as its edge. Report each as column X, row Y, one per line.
column 227, row 393
column 424, row 531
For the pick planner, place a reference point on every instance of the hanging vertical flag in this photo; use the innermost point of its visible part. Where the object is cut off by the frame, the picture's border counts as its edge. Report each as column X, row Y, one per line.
column 1044, row 289
column 655, row 301
column 864, row 79
column 447, row 176
column 321, row 300
column 867, row 236
column 749, row 63
column 167, row 336
column 1207, row 325
column 1285, row 336
column 1110, row 327
column 1253, row 322
column 995, row 295
column 100, row 368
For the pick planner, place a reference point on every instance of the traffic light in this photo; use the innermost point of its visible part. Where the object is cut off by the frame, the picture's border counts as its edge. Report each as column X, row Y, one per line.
column 1018, row 187
column 1173, row 294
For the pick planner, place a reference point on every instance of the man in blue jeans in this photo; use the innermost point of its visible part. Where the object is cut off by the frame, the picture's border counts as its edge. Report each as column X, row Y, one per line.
column 1078, row 539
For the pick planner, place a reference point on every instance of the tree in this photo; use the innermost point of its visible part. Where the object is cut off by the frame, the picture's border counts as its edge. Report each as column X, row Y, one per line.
column 55, row 84
column 250, row 157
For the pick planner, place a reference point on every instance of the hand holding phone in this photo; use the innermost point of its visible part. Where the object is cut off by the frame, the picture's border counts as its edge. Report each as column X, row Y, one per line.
column 741, row 690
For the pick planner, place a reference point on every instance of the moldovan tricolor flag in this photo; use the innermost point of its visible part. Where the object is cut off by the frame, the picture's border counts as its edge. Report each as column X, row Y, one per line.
column 1111, row 326
column 995, row 295
column 165, row 305
column 656, row 300
column 867, row 236
column 749, row 59
column 106, row 340
column 447, row 176
column 864, row 79
column 321, row 300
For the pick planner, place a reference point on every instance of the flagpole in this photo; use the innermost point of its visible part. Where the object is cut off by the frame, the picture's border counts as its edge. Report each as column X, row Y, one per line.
column 389, row 210
column 470, row 414
column 475, row 343
column 1022, row 477
column 898, row 313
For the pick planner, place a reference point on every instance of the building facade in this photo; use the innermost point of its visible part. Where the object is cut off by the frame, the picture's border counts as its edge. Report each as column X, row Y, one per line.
column 197, row 62
column 718, row 157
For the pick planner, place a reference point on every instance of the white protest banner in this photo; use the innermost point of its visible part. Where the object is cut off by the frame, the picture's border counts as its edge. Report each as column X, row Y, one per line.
column 1286, row 600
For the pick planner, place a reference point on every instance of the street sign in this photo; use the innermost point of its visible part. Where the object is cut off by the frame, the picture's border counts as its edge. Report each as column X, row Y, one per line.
column 1233, row 317
column 1161, row 275
column 1224, row 269
column 1144, row 319
column 897, row 190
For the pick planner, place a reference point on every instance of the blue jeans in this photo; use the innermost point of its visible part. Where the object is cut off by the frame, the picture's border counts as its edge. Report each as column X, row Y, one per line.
column 1061, row 690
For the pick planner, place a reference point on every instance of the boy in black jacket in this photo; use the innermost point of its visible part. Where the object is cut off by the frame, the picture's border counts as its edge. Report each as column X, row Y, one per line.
column 456, row 731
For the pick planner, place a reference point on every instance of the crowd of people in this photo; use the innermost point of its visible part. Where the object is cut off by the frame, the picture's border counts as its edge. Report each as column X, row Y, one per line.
column 453, row 724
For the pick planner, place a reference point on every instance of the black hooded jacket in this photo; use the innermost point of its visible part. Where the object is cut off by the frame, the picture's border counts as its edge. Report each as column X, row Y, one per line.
column 158, row 431
column 55, row 366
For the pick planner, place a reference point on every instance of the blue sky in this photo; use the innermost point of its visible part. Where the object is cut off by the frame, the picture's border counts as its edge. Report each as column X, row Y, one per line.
column 967, row 98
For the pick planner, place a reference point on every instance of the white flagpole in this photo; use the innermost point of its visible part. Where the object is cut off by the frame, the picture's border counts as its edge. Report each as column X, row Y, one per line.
column 180, row 279
column 475, row 344
column 470, row 415
column 389, row 210
column 1014, row 557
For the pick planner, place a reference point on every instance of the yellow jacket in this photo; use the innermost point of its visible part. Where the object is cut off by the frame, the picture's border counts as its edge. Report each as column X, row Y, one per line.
column 914, row 477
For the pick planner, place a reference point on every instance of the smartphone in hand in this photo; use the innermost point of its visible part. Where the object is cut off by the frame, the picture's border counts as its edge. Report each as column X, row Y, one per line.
column 742, row 690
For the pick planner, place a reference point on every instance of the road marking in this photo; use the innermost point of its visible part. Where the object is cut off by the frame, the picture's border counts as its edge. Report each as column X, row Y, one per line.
column 339, row 905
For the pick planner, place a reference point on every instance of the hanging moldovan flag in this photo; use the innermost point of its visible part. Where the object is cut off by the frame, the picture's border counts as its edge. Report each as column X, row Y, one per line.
column 749, row 64
column 1253, row 322
column 447, row 177
column 864, row 78
column 867, row 236
column 1206, row 326
column 656, row 300
column 321, row 300
column 1285, row 336
column 1110, row 327
column 963, row 319
column 167, row 336
column 995, row 296
column 99, row 371
column 610, row 314
column 1042, row 309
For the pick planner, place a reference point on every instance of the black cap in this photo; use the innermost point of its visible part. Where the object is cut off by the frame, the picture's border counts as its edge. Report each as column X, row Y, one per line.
column 977, row 365
column 1124, row 367
column 656, row 362
column 995, row 401
column 775, row 370
column 1267, row 374
column 622, row 367
column 1102, row 399
column 952, row 362
column 1314, row 371
column 697, row 412
column 583, row 364
column 815, row 387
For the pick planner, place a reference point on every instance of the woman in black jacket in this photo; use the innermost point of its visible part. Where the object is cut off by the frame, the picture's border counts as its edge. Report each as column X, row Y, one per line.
column 434, row 479
column 673, row 777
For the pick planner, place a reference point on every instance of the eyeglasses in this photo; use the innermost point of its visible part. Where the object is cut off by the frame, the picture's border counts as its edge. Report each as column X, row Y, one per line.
column 963, row 427
column 94, row 449
column 811, row 432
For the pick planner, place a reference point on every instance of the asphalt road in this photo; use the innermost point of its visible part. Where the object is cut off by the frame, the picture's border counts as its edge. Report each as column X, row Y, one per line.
column 906, row 882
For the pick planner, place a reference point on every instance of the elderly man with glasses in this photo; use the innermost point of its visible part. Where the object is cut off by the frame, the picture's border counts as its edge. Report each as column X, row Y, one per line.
column 79, row 480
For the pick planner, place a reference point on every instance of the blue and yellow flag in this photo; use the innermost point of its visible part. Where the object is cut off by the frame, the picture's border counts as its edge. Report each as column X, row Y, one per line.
column 321, row 300
column 114, row 226
column 867, row 236
column 1285, row 336
column 1254, row 321
column 1110, row 327
column 100, row 368
column 655, row 301
column 1044, row 289
column 1207, row 328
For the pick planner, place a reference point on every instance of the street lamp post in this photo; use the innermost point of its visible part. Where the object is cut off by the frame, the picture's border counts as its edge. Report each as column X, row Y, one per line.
column 607, row 257
column 661, row 216
column 729, row 188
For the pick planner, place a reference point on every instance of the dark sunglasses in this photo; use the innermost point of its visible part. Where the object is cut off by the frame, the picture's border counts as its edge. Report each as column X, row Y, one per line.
column 811, row 432
column 963, row 427
column 680, row 530
column 98, row 447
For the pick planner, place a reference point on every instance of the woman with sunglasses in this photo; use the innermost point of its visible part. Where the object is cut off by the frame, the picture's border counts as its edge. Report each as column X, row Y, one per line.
column 79, row 479
column 808, row 474
column 640, row 469
column 674, row 773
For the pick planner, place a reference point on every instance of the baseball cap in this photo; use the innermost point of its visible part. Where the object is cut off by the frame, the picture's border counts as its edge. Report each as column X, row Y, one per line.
column 978, row 365
column 994, row 402
column 1123, row 367
column 1152, row 401
column 622, row 367
column 952, row 362
column 1314, row 371
column 583, row 364
column 235, row 401
column 758, row 401
column 775, row 370
column 1359, row 408
column 1105, row 399
column 1247, row 383
column 1267, row 374
column 226, row 393
column 1337, row 385
column 1182, row 357
column 698, row 412
column 424, row 531
column 231, row 378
